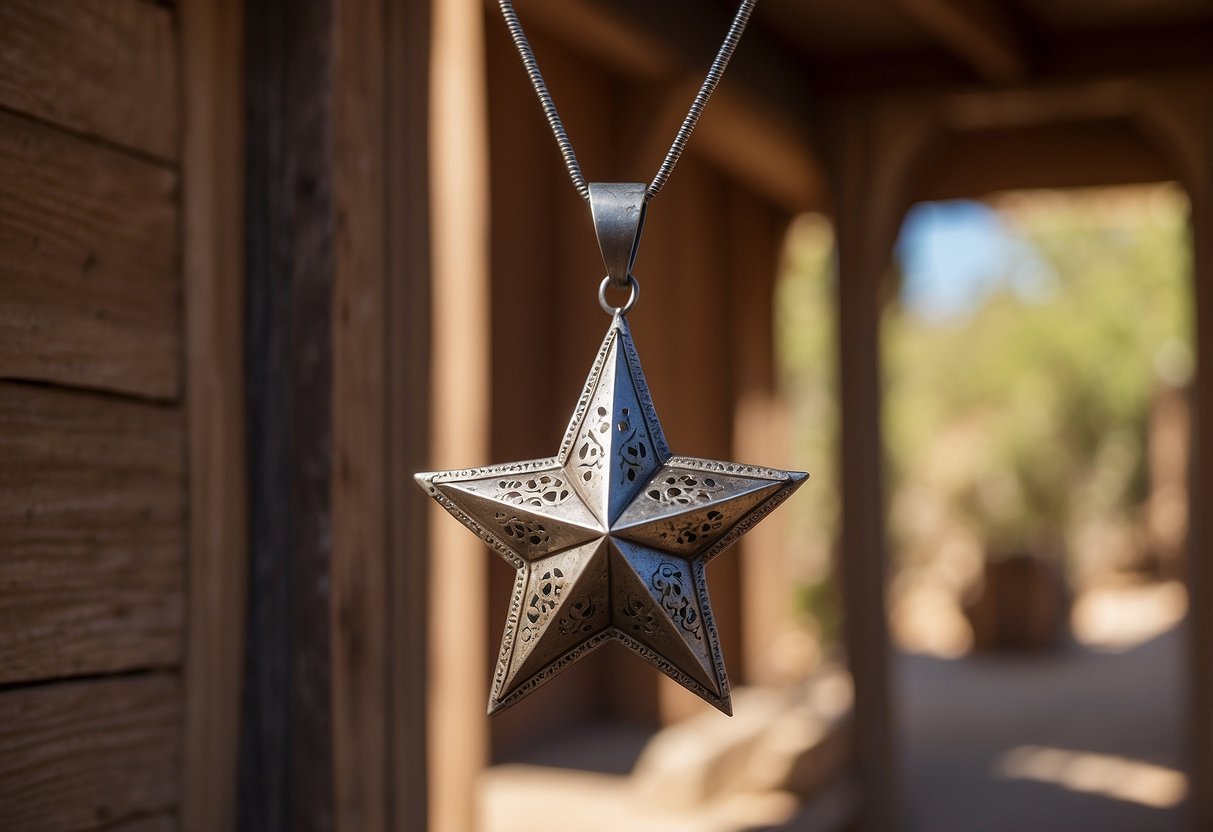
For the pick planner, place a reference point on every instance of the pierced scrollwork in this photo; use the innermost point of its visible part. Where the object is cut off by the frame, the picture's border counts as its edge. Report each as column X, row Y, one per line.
column 590, row 451
column 634, row 453
column 530, row 532
column 691, row 531
column 640, row 616
column 580, row 617
column 683, row 489
column 539, row 491
column 667, row 579
column 544, row 599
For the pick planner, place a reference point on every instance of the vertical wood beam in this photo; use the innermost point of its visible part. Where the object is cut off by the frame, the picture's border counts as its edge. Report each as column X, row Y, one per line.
column 1177, row 120
column 459, row 408
column 864, row 248
column 875, row 151
column 1200, row 542
column 358, row 612
column 286, row 742
column 212, row 277
column 408, row 379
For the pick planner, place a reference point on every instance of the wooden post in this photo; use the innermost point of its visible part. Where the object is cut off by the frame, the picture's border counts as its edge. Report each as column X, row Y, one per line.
column 862, row 258
column 1200, row 542
column 286, row 743
column 459, row 409
column 334, row 719
column 359, row 611
column 212, row 277
column 1177, row 120
column 408, row 382
column 874, row 150
column 871, row 175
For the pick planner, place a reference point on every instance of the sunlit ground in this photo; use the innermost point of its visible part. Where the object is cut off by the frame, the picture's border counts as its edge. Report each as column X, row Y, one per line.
column 706, row 774
column 1087, row 736
column 1109, row 775
column 1077, row 738
column 1116, row 619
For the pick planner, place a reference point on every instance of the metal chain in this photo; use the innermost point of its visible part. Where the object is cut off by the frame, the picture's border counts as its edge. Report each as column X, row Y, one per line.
column 715, row 72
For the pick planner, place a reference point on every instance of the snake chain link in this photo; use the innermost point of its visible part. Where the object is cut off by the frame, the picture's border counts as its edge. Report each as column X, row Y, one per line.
column 715, row 72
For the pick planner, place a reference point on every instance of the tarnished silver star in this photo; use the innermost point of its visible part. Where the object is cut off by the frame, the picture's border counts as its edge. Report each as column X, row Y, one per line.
column 610, row 536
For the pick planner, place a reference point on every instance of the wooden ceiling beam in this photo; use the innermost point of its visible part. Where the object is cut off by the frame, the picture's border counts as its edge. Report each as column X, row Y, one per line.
column 1076, row 155
column 977, row 31
column 675, row 39
column 758, row 126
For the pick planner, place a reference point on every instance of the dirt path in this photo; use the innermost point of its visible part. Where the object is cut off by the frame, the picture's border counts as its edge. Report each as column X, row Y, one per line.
column 1087, row 719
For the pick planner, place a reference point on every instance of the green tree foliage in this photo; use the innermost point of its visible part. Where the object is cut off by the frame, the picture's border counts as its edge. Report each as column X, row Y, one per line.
column 1018, row 421
column 1026, row 416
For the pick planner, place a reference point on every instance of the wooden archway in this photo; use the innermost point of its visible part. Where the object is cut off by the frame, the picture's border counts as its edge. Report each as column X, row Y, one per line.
column 881, row 155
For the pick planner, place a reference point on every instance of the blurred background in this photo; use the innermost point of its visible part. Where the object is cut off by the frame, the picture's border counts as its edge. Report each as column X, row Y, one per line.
column 262, row 261
column 1037, row 358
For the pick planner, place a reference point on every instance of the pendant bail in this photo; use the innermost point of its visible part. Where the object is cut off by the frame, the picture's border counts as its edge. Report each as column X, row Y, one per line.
column 618, row 209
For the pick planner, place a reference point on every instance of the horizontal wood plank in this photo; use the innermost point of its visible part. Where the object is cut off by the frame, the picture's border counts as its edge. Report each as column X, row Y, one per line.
column 91, row 534
column 154, row 823
column 88, row 262
column 106, row 68
column 90, row 754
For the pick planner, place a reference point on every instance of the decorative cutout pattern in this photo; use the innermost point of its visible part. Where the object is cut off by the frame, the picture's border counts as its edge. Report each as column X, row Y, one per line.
column 590, row 450
column 634, row 453
column 641, row 616
column 544, row 598
column 667, row 580
column 544, row 490
column 683, row 489
column 752, row 519
column 688, row 532
column 529, row 532
column 656, row 436
column 580, row 617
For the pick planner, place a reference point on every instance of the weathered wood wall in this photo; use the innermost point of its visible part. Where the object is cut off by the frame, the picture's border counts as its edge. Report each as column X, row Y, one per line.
column 95, row 419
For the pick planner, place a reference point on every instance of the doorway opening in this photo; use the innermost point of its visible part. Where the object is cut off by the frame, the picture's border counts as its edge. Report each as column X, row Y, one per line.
column 1036, row 364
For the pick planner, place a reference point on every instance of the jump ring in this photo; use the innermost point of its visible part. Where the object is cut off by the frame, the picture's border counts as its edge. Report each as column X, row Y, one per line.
column 633, row 295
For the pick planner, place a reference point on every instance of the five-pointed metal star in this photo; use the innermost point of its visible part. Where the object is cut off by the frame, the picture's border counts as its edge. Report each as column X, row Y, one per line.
column 610, row 536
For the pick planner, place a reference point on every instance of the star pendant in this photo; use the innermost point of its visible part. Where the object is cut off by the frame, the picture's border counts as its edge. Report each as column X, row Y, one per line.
column 610, row 537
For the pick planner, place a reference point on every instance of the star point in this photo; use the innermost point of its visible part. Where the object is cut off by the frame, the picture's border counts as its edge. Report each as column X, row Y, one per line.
column 611, row 536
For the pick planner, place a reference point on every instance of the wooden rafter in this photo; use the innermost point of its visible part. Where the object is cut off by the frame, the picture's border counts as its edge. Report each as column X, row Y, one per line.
column 978, row 31
column 761, row 106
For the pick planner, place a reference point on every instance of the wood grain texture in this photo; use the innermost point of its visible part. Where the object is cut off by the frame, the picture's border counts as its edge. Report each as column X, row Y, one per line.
column 105, row 68
column 155, row 823
column 88, row 262
column 358, row 615
column 92, row 534
column 212, row 219
column 82, row 755
column 285, row 767
column 408, row 357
